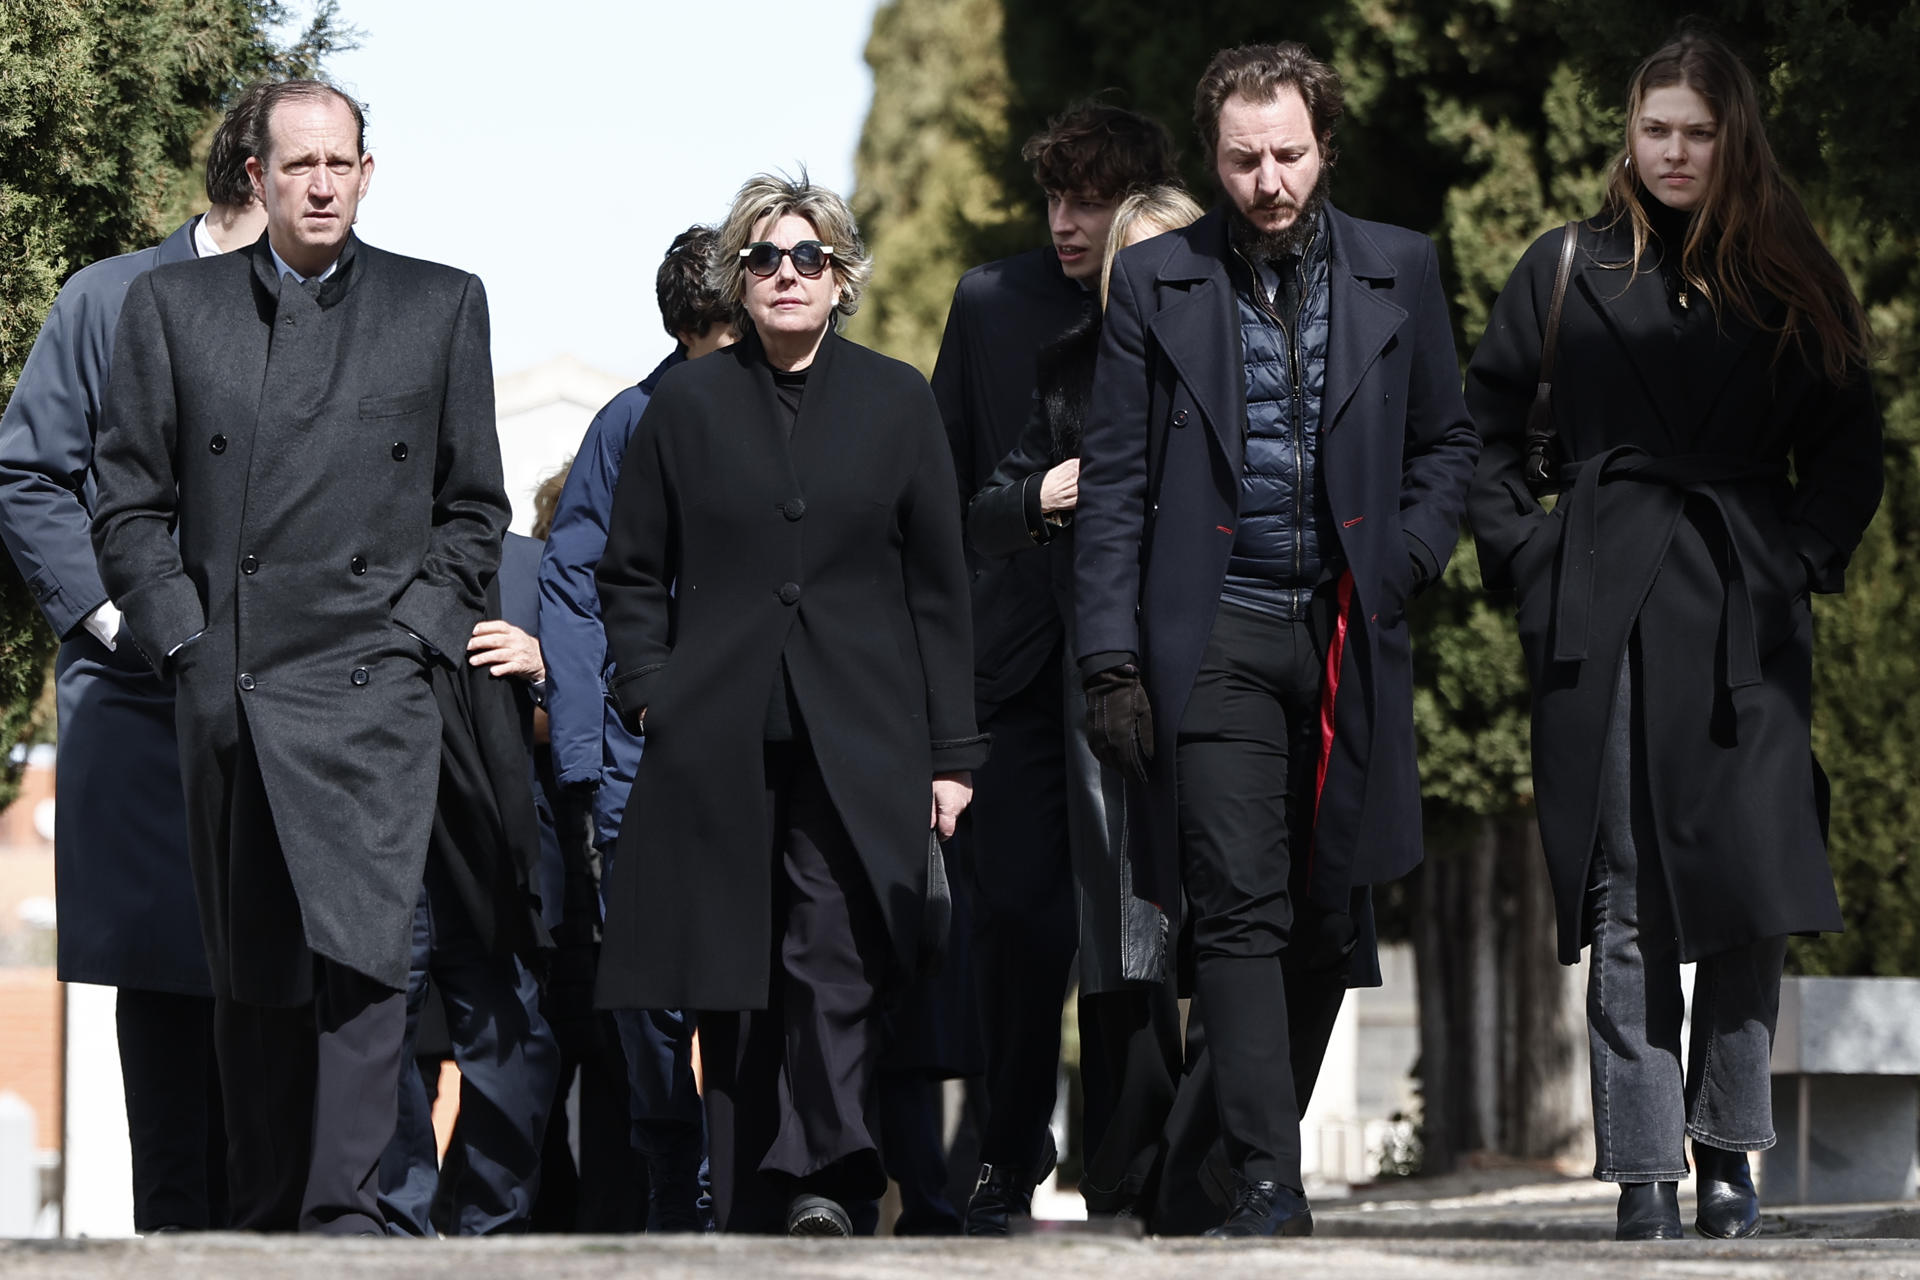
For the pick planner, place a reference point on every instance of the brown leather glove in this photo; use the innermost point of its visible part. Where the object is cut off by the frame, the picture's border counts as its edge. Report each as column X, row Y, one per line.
column 1120, row 721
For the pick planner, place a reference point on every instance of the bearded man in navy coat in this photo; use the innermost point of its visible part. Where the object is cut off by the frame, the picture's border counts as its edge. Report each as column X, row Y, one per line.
column 1276, row 459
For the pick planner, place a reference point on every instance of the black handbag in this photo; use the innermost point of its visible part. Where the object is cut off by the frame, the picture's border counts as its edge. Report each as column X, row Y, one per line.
column 936, row 924
column 1543, row 438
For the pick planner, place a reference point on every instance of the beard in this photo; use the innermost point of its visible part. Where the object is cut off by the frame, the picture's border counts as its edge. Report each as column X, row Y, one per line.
column 1289, row 241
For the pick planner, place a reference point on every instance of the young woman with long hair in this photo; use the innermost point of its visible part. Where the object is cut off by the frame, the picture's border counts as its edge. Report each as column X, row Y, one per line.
column 1717, row 454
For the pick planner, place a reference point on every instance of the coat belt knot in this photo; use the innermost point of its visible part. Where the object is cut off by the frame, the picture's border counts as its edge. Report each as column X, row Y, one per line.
column 1691, row 473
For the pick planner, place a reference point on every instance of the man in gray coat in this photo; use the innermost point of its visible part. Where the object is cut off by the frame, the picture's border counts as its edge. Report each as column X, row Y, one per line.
column 125, row 897
column 315, row 418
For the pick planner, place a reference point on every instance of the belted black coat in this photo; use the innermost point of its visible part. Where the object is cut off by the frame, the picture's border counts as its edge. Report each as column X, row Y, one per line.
column 1683, row 526
column 1159, row 499
column 731, row 549
column 331, row 467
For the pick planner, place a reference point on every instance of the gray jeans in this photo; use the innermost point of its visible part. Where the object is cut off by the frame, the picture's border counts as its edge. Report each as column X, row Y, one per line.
column 1641, row 1104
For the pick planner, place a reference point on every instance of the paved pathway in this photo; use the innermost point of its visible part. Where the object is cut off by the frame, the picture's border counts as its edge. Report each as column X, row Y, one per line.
column 1488, row 1224
column 1059, row 1257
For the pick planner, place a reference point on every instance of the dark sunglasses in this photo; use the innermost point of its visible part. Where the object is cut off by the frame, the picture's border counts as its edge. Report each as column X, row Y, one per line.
column 810, row 257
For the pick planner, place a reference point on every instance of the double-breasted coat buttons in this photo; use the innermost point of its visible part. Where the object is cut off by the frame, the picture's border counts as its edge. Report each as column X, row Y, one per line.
column 246, row 681
column 218, row 444
column 360, row 675
column 249, row 564
column 358, row 564
column 399, row 450
column 1179, row 417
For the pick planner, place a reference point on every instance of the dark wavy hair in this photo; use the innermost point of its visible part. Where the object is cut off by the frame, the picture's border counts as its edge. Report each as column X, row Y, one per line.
column 241, row 134
column 1101, row 149
column 1258, row 72
column 1750, row 233
column 687, row 303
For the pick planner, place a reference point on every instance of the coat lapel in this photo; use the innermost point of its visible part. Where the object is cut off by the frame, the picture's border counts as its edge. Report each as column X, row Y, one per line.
column 1361, row 320
column 1198, row 330
column 178, row 247
column 1633, row 305
column 1738, row 342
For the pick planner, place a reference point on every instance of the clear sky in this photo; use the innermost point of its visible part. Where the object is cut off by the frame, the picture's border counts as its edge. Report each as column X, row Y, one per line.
column 555, row 148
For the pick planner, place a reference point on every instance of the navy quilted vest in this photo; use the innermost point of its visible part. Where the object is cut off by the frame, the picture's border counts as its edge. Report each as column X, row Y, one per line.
column 1285, row 543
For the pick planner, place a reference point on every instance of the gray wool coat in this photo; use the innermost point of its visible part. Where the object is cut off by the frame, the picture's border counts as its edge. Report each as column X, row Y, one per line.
column 331, row 466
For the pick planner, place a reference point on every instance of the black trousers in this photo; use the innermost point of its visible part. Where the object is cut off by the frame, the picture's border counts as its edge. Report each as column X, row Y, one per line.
column 1269, row 969
column 311, row 1097
column 177, row 1134
column 790, row 1089
column 605, row 1193
column 1026, row 926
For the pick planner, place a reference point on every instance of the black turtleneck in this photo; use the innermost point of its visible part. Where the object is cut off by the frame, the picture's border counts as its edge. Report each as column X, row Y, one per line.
column 1692, row 315
column 1670, row 229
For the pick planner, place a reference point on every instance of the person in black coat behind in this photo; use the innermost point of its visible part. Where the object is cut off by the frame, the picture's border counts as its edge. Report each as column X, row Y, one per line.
column 1014, row 846
column 1130, row 1054
column 787, row 613
column 1708, row 341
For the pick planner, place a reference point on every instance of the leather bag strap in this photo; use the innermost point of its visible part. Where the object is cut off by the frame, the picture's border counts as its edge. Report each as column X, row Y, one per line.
column 1541, row 432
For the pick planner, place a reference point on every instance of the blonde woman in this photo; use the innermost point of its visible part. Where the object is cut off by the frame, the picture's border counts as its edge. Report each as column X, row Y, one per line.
column 1129, row 1032
column 787, row 612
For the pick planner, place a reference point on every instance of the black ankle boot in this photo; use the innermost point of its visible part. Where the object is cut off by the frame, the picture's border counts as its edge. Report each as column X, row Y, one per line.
column 1004, row 1193
column 1649, row 1211
column 1265, row 1209
column 1723, row 1184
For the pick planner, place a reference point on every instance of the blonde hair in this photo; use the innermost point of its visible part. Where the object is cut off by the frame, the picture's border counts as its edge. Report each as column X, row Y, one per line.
column 1151, row 211
column 772, row 196
column 546, row 500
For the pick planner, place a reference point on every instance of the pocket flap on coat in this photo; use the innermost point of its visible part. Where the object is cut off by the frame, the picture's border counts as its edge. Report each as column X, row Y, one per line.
column 396, row 405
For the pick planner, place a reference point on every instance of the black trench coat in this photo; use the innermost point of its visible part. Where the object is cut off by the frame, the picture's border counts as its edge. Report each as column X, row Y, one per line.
column 1681, row 522
column 333, row 472
column 730, row 549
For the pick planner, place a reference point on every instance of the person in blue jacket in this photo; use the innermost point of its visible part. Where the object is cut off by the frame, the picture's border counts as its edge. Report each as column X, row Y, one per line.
column 592, row 751
column 122, row 885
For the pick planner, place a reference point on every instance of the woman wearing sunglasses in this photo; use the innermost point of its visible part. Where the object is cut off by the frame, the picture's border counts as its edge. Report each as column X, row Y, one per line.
column 787, row 615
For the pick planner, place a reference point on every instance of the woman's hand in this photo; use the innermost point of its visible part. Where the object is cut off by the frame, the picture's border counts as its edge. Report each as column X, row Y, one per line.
column 1060, row 490
column 952, row 792
column 506, row 650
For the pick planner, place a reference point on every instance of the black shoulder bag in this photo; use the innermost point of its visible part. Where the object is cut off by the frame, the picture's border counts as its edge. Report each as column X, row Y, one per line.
column 1543, row 463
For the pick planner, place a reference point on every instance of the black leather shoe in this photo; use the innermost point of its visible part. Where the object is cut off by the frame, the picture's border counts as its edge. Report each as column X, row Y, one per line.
column 1004, row 1193
column 1723, row 1184
column 1649, row 1211
column 812, row 1215
column 1265, row 1209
